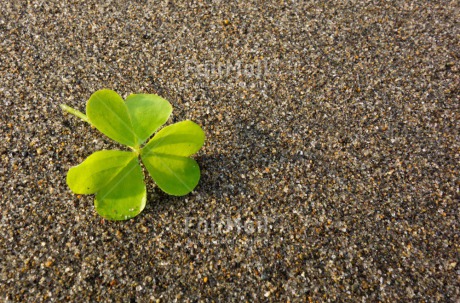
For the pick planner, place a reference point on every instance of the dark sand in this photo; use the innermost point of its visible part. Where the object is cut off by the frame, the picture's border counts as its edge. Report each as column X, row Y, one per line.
column 332, row 142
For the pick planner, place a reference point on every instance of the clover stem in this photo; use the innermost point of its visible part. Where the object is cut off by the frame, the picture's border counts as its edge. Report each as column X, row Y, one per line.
column 75, row 112
column 136, row 149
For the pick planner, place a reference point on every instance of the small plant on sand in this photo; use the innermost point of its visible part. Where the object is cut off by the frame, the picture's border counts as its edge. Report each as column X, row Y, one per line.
column 116, row 176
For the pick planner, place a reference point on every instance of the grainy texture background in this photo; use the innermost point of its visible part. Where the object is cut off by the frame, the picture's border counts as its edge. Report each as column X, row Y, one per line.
column 332, row 145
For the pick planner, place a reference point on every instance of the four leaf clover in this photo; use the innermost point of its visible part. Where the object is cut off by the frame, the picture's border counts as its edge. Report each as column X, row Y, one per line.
column 116, row 176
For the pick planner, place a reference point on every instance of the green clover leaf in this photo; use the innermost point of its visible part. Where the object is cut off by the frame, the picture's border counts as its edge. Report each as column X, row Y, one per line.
column 166, row 157
column 116, row 176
